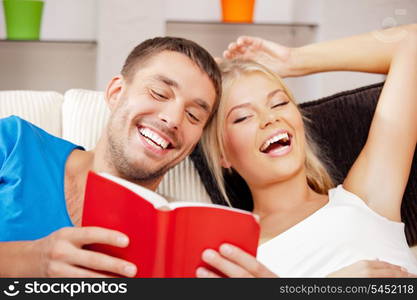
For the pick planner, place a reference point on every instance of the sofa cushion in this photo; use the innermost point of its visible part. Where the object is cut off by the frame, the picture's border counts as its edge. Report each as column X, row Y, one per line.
column 42, row 108
column 334, row 120
column 85, row 114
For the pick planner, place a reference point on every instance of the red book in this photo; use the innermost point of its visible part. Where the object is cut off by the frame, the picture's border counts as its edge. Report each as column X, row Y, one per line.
column 166, row 239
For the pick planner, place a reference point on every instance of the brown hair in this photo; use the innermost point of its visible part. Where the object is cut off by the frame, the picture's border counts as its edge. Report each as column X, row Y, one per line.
column 145, row 50
column 318, row 177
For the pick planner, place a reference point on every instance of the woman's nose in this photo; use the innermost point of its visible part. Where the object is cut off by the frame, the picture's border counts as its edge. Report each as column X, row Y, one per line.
column 267, row 119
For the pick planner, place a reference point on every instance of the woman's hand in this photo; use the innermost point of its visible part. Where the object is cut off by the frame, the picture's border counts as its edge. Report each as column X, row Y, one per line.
column 232, row 262
column 371, row 268
column 276, row 57
column 62, row 255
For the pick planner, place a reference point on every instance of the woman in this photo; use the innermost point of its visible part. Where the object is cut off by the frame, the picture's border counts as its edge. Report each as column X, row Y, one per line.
column 309, row 228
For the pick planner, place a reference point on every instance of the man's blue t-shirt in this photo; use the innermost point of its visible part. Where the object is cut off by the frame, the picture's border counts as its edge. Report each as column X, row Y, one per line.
column 32, row 169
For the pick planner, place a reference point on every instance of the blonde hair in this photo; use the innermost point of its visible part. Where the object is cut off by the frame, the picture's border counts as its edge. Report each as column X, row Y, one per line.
column 318, row 177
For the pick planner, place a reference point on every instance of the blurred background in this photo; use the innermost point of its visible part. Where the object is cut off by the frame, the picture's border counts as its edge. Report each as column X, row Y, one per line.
column 83, row 43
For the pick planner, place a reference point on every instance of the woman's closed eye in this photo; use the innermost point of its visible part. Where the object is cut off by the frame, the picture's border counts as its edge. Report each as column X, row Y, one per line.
column 241, row 119
column 280, row 104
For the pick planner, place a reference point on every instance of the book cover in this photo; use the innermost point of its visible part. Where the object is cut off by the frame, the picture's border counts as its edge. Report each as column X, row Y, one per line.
column 166, row 239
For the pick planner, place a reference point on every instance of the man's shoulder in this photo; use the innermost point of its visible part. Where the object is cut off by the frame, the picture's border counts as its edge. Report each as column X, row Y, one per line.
column 11, row 121
column 11, row 128
column 14, row 129
column 15, row 124
column 11, row 131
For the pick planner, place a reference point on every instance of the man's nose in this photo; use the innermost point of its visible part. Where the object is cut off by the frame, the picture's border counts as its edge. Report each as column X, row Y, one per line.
column 172, row 114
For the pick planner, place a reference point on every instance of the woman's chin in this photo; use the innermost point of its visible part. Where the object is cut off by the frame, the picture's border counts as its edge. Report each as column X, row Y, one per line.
column 266, row 175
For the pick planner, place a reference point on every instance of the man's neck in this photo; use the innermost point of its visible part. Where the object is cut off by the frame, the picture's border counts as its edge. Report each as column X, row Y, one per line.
column 102, row 162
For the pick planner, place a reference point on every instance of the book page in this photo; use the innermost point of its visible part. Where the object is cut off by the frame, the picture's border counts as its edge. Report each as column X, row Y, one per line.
column 177, row 204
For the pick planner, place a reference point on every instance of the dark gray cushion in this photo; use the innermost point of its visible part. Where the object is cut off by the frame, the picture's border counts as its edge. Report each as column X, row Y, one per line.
column 340, row 125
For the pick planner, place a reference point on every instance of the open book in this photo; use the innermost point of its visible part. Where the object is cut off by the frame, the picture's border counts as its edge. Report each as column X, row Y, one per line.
column 166, row 239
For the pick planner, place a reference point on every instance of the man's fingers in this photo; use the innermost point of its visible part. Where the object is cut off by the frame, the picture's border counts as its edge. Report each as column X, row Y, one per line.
column 245, row 260
column 97, row 235
column 61, row 269
column 103, row 262
column 66, row 247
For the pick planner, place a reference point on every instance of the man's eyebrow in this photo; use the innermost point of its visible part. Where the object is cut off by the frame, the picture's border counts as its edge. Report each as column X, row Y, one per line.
column 203, row 104
column 200, row 102
column 167, row 81
column 238, row 106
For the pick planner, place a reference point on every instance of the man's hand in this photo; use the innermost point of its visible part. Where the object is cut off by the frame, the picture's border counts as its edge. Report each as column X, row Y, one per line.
column 61, row 254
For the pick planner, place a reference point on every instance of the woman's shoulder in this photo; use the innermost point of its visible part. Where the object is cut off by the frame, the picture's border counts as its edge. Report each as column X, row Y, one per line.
column 339, row 196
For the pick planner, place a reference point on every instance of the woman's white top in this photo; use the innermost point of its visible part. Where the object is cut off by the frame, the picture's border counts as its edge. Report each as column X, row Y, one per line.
column 339, row 234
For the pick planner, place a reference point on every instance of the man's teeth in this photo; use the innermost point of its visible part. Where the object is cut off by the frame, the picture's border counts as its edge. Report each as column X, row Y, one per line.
column 281, row 136
column 154, row 137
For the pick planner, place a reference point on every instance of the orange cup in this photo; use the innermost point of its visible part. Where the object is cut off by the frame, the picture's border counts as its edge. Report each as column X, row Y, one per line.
column 237, row 10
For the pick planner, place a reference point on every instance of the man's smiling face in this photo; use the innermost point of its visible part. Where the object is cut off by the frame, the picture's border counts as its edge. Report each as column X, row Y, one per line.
column 157, row 116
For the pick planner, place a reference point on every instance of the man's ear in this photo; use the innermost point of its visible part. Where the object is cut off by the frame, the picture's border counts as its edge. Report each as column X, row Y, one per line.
column 225, row 163
column 113, row 90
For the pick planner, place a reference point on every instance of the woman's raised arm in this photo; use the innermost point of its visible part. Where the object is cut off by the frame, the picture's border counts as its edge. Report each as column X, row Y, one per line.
column 370, row 52
column 380, row 173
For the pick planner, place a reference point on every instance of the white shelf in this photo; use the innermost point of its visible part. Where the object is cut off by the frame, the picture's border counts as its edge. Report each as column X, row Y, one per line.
column 49, row 41
column 47, row 65
column 211, row 22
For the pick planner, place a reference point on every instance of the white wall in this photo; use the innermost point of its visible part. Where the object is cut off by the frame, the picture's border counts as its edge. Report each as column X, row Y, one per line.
column 344, row 18
column 122, row 24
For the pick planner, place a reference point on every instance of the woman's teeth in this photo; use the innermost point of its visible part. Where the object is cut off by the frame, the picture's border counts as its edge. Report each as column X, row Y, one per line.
column 282, row 138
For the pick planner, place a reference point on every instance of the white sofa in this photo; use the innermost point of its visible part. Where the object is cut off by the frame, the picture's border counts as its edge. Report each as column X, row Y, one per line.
column 79, row 116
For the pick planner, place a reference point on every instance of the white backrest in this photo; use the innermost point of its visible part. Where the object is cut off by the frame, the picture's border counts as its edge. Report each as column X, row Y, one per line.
column 84, row 115
column 42, row 108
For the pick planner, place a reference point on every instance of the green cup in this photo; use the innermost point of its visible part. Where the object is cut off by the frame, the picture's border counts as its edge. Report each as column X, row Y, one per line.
column 23, row 19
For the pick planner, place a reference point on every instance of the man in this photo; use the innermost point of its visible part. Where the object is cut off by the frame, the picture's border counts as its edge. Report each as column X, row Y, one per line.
column 166, row 93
